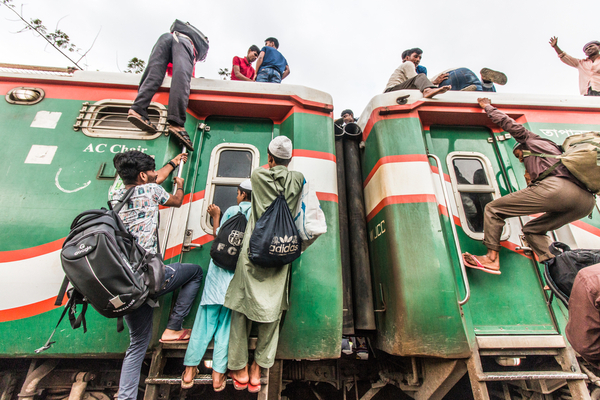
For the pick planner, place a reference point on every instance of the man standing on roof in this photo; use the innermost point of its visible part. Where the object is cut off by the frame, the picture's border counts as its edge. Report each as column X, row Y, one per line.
column 180, row 50
column 242, row 66
column 271, row 65
column 589, row 68
column 256, row 294
column 406, row 76
column 560, row 196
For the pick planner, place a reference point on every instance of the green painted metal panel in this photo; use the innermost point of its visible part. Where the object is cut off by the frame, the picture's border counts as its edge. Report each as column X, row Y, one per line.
column 513, row 302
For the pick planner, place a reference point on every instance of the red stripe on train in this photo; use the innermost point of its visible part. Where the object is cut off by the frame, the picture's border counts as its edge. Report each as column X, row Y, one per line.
column 313, row 154
column 31, row 252
column 395, row 159
column 401, row 199
column 29, row 310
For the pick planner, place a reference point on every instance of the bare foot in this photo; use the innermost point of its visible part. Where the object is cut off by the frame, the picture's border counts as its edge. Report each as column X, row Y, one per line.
column 240, row 375
column 254, row 374
column 430, row 92
column 219, row 381
column 169, row 335
column 189, row 374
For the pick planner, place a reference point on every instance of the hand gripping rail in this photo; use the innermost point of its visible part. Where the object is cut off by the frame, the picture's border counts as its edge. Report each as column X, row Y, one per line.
column 463, row 269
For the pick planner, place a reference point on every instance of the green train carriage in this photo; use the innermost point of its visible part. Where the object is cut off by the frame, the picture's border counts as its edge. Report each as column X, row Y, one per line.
column 61, row 130
column 429, row 168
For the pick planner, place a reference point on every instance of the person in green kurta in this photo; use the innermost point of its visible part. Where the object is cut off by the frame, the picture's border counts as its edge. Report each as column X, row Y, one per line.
column 258, row 294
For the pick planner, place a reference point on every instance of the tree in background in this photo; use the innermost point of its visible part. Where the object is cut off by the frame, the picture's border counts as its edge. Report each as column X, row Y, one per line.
column 135, row 66
column 224, row 72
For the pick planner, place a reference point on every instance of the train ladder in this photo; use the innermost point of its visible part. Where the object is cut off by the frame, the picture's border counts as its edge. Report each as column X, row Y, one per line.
column 160, row 386
column 542, row 381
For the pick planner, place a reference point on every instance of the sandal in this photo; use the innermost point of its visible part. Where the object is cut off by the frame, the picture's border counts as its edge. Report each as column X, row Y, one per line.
column 183, row 137
column 237, row 385
column 223, row 385
column 140, row 122
column 189, row 385
column 254, row 388
column 184, row 337
column 472, row 262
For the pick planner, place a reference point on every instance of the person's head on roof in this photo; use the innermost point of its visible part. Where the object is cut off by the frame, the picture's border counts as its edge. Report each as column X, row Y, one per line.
column 413, row 55
column 279, row 151
column 347, row 116
column 592, row 48
column 244, row 191
column 272, row 42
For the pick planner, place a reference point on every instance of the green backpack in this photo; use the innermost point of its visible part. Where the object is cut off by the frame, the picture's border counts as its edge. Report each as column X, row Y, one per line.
column 581, row 156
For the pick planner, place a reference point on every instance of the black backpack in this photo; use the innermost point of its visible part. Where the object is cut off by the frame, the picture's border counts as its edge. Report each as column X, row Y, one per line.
column 106, row 267
column 275, row 240
column 225, row 249
column 560, row 271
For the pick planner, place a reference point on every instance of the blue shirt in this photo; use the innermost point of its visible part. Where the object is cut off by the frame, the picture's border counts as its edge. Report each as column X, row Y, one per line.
column 218, row 279
column 421, row 70
column 273, row 59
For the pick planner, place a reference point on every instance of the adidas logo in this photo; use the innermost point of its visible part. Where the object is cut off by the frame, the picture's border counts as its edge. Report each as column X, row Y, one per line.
column 283, row 245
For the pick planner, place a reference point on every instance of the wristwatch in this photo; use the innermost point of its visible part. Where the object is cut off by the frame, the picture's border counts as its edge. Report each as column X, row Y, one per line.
column 172, row 164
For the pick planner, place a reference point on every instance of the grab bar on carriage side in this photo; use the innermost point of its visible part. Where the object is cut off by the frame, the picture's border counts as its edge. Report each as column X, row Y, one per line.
column 463, row 269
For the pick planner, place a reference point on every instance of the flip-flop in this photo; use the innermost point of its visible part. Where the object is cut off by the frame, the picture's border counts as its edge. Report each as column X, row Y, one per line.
column 182, row 338
column 188, row 385
column 253, row 388
column 222, row 387
column 237, row 385
column 141, row 123
column 183, row 137
column 478, row 265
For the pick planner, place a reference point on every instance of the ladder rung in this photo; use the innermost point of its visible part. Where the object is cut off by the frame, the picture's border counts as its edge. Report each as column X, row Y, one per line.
column 529, row 375
column 201, row 379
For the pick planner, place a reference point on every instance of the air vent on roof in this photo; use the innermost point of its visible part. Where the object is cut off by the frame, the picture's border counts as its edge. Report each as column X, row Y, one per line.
column 25, row 95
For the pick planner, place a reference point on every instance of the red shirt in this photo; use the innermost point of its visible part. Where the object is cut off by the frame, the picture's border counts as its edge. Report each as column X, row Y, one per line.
column 246, row 68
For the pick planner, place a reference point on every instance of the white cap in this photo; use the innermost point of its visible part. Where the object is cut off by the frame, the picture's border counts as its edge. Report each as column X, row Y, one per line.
column 246, row 185
column 281, row 147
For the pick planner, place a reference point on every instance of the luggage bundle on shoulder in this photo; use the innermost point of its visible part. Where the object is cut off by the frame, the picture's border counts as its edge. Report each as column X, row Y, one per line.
column 106, row 267
column 560, row 271
column 189, row 30
column 581, row 156
column 225, row 249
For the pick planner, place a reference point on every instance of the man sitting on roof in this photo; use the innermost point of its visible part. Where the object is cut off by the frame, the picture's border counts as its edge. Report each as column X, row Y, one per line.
column 406, row 76
column 589, row 68
column 560, row 196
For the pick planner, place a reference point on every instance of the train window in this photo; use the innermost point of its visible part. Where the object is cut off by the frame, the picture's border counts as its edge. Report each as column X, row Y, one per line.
column 474, row 186
column 231, row 163
column 25, row 95
column 108, row 119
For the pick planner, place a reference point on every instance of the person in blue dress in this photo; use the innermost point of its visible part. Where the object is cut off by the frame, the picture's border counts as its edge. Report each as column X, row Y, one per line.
column 213, row 319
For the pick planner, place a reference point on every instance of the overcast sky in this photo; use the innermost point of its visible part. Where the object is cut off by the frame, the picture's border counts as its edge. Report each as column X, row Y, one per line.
column 345, row 48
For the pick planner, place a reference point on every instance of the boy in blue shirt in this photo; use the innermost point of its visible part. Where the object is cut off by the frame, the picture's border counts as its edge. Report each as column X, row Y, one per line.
column 213, row 319
column 271, row 65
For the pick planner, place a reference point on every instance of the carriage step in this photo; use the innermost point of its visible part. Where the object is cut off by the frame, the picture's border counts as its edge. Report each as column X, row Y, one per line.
column 528, row 375
column 201, row 379
column 183, row 345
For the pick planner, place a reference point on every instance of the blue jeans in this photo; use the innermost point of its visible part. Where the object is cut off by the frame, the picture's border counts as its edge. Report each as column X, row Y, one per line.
column 188, row 277
column 268, row 74
column 460, row 78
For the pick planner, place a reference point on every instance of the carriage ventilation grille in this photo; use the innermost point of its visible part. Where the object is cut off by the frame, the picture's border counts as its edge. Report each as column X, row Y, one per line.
column 25, row 95
column 108, row 119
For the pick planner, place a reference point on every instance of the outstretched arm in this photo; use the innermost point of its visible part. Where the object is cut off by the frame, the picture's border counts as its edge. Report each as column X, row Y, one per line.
column 518, row 131
column 564, row 57
column 164, row 172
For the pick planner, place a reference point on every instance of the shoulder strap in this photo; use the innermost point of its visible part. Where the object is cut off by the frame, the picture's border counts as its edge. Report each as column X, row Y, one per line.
column 527, row 153
column 123, row 200
column 61, row 292
column 547, row 172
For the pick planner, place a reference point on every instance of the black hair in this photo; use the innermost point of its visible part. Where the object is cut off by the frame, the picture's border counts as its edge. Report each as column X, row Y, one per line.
column 254, row 48
column 275, row 41
column 279, row 161
column 130, row 163
column 405, row 54
column 347, row 111
column 414, row 50
column 247, row 192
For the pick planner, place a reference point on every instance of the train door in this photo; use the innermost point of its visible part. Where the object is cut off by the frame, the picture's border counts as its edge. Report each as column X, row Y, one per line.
column 477, row 169
column 227, row 154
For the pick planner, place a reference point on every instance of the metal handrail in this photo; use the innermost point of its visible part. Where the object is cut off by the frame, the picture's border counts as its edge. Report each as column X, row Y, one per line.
column 463, row 269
